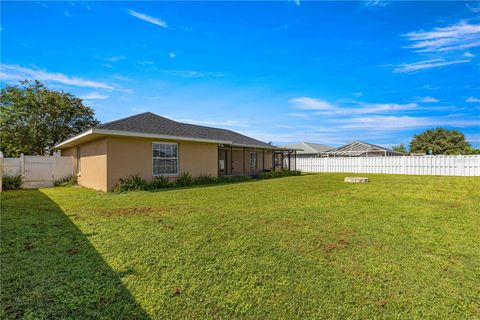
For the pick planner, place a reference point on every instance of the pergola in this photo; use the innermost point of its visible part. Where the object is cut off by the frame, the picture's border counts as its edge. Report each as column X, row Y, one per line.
column 361, row 149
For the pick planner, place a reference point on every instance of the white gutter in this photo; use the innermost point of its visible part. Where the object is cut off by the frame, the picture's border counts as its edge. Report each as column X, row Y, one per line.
column 78, row 136
column 136, row 134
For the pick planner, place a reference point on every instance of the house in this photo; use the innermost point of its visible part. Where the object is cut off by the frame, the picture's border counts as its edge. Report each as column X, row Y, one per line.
column 362, row 149
column 150, row 145
column 308, row 149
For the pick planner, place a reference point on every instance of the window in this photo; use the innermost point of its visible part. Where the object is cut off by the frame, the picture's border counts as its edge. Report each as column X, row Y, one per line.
column 165, row 158
column 253, row 160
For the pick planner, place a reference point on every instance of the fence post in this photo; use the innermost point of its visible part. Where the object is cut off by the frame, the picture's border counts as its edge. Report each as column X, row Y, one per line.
column 22, row 165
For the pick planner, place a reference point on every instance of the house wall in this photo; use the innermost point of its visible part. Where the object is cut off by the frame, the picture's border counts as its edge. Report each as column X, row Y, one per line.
column 93, row 164
column 238, row 161
column 105, row 161
column 128, row 156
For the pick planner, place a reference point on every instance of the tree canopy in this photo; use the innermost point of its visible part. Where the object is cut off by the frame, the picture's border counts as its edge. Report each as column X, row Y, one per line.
column 400, row 148
column 440, row 141
column 34, row 118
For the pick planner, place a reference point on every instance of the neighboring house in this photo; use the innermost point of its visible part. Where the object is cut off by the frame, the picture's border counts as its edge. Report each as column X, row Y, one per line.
column 362, row 149
column 149, row 145
column 308, row 149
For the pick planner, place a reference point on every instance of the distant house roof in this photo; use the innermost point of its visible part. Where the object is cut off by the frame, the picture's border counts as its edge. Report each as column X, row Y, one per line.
column 150, row 125
column 308, row 147
column 359, row 148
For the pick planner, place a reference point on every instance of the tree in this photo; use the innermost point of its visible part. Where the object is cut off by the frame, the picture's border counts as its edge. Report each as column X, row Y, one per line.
column 400, row 148
column 440, row 141
column 34, row 118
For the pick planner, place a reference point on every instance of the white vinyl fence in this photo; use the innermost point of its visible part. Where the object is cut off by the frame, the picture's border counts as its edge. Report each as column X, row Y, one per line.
column 38, row 171
column 419, row 165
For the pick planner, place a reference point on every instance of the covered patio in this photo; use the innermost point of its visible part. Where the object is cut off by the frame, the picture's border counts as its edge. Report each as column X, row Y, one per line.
column 234, row 160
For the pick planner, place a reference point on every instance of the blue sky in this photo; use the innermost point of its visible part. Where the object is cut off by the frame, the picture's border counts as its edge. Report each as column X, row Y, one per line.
column 280, row 71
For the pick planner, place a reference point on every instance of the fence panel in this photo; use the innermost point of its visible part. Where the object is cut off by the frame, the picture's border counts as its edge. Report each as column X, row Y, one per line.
column 38, row 171
column 414, row 165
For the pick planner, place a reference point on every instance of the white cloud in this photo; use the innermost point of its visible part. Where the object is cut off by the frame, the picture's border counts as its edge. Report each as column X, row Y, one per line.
column 472, row 99
column 94, row 96
column 110, row 59
column 122, row 78
column 426, row 64
column 12, row 72
column 193, row 74
column 444, row 45
column 357, row 94
column 146, row 63
column 429, row 100
column 473, row 7
column 298, row 115
column 372, row 5
column 137, row 110
column 462, row 35
column 147, row 18
column 326, row 108
column 307, row 103
column 172, row 55
column 402, row 122
column 376, row 3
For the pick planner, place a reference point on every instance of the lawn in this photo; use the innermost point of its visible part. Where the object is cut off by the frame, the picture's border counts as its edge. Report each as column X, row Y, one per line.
column 312, row 247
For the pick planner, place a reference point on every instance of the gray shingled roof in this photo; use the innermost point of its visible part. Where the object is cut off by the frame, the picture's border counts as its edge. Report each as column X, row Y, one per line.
column 309, row 147
column 154, row 124
column 358, row 148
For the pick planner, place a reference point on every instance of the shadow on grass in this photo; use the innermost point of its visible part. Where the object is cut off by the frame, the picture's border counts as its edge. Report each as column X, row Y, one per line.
column 50, row 270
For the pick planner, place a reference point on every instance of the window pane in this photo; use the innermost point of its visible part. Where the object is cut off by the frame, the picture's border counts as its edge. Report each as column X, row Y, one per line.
column 168, row 151
column 164, row 158
column 156, row 166
column 162, row 150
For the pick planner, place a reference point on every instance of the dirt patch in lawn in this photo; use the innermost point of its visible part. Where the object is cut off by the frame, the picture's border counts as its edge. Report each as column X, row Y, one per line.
column 131, row 211
column 339, row 244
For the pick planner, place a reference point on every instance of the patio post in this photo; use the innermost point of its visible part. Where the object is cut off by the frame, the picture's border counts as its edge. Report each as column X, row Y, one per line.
column 263, row 159
column 289, row 152
column 244, row 160
column 273, row 160
column 231, row 160
column 295, row 166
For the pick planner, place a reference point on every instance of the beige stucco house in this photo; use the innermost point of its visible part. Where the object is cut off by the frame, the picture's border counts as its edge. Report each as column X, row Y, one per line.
column 150, row 145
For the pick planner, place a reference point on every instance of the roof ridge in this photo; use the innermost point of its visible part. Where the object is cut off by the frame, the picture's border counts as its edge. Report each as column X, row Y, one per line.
column 127, row 118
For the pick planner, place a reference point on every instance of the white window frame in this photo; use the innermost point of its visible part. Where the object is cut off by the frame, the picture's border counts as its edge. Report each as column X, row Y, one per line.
column 177, row 158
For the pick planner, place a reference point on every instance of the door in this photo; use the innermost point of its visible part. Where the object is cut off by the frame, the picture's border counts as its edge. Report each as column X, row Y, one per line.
column 222, row 162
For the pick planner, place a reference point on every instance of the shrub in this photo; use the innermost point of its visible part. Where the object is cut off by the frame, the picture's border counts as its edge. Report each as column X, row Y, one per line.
column 233, row 179
column 67, row 181
column 161, row 182
column 11, row 183
column 133, row 183
column 278, row 174
column 184, row 180
column 204, row 179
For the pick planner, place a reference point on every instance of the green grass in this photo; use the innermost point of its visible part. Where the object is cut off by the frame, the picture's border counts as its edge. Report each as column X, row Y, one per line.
column 399, row 247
